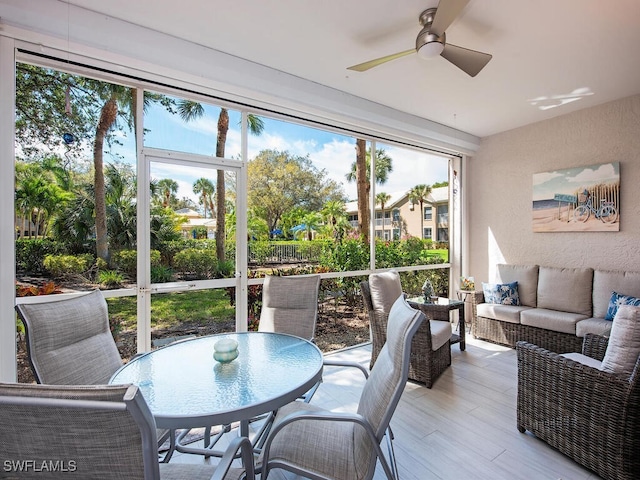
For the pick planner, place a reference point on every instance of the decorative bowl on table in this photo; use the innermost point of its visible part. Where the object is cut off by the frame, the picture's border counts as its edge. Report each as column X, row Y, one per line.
column 225, row 350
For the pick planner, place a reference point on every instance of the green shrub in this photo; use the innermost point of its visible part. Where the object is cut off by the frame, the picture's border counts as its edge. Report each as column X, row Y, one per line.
column 110, row 279
column 161, row 274
column 348, row 255
column 101, row 264
column 64, row 265
column 226, row 269
column 30, row 253
column 260, row 251
column 389, row 254
column 197, row 263
column 127, row 260
column 168, row 250
column 412, row 281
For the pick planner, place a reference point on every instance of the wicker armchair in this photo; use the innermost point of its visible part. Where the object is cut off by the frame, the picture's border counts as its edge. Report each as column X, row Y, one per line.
column 426, row 364
column 589, row 415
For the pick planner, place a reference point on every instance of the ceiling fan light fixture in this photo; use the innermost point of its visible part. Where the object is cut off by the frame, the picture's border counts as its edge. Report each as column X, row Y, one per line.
column 431, row 49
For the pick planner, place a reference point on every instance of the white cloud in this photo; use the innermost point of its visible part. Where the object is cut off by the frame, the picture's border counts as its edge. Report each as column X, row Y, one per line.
column 589, row 175
column 540, row 178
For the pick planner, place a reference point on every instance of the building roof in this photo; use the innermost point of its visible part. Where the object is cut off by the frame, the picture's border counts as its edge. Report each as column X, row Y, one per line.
column 188, row 212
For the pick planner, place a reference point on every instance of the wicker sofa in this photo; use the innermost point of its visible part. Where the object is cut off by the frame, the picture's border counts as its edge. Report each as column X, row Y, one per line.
column 558, row 306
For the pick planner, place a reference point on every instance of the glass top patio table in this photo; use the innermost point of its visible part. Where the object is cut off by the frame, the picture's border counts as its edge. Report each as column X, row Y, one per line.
column 186, row 388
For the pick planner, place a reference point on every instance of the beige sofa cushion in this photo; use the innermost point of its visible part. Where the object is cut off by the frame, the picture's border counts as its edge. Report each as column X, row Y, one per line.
column 624, row 343
column 598, row 326
column 565, row 290
column 606, row 282
column 553, row 320
column 505, row 313
column 527, row 278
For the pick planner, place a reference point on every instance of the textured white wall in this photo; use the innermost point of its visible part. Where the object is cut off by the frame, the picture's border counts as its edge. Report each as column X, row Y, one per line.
column 500, row 191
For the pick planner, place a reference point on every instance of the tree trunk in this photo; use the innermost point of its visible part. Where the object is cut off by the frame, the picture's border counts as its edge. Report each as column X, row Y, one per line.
column 107, row 118
column 223, row 128
column 363, row 187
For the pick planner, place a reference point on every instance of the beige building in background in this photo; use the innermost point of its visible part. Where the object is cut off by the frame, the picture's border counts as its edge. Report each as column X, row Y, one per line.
column 401, row 218
column 195, row 220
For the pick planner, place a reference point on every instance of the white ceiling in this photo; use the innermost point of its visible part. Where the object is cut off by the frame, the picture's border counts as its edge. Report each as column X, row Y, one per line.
column 550, row 57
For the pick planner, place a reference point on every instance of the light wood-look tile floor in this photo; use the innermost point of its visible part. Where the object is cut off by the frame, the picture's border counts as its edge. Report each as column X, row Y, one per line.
column 462, row 428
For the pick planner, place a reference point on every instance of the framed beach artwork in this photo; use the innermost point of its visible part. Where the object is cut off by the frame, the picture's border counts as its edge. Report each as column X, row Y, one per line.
column 580, row 199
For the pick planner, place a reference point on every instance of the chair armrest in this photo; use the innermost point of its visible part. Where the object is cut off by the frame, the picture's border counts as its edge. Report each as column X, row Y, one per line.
column 594, row 346
column 339, row 363
column 240, row 445
column 478, row 297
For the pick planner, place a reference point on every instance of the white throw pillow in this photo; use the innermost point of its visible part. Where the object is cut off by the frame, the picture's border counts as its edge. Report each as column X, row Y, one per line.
column 624, row 343
column 385, row 289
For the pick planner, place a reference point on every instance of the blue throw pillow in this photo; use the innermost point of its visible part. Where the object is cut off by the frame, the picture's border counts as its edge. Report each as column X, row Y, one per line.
column 618, row 299
column 501, row 293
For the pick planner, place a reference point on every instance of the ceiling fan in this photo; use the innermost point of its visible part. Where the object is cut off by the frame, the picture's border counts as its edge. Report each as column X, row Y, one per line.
column 431, row 41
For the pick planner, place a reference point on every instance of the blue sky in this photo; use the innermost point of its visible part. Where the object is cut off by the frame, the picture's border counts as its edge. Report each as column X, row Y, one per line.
column 327, row 150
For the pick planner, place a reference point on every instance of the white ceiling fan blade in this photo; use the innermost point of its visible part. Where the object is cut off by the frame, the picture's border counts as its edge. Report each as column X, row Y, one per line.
column 446, row 13
column 362, row 67
column 469, row 61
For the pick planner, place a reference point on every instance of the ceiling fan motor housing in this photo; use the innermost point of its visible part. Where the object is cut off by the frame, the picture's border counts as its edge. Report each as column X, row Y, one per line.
column 429, row 44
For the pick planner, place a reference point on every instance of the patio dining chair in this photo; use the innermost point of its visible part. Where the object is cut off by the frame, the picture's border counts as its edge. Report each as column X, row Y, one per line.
column 94, row 432
column 431, row 348
column 290, row 305
column 69, row 342
column 320, row 444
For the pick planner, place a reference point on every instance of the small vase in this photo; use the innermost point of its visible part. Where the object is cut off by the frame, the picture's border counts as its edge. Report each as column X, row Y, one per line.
column 225, row 350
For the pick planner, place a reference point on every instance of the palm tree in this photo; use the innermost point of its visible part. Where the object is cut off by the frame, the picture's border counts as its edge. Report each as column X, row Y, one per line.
column 381, row 199
column 419, row 194
column 108, row 115
column 342, row 227
column 333, row 210
column 205, row 189
column 116, row 101
column 360, row 172
column 384, row 166
column 38, row 195
column 311, row 221
column 121, row 206
column 190, row 110
column 166, row 187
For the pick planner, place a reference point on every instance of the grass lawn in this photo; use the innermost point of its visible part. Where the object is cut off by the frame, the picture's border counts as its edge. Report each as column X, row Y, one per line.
column 168, row 309
column 443, row 253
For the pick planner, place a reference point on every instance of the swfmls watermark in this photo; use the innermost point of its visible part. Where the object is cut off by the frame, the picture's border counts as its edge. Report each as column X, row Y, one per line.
column 61, row 466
